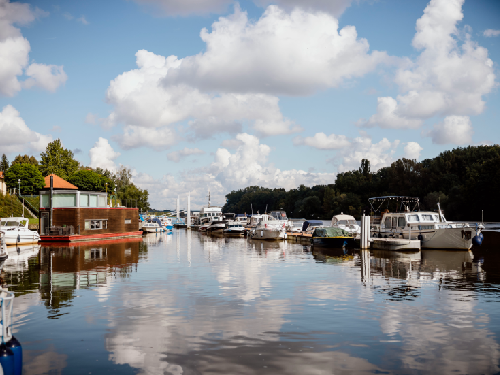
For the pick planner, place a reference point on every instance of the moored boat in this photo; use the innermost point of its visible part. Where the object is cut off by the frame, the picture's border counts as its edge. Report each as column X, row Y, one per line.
column 347, row 223
column 153, row 226
column 16, row 231
column 431, row 228
column 332, row 237
column 234, row 229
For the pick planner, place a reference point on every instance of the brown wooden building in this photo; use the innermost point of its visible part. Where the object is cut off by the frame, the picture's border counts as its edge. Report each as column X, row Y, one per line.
column 76, row 215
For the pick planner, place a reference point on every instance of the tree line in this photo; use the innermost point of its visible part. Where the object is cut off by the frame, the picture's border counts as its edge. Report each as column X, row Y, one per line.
column 466, row 181
column 60, row 161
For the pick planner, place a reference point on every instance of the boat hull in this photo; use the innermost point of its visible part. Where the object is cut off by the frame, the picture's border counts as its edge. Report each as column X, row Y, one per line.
column 336, row 242
column 152, row 230
column 440, row 238
column 269, row 234
column 20, row 238
column 448, row 239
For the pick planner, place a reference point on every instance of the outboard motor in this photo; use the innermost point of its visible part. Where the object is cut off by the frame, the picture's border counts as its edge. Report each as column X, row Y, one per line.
column 478, row 238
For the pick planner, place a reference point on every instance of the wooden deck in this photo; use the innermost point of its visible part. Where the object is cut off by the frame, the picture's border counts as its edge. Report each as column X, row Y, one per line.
column 89, row 237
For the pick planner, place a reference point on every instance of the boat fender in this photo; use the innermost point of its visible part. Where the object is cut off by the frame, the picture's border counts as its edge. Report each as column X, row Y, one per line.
column 17, row 349
column 7, row 360
column 478, row 239
column 420, row 237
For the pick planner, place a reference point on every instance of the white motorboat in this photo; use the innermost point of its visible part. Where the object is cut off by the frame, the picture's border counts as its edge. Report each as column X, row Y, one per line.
column 217, row 226
column 431, row 228
column 234, row 228
column 16, row 231
column 347, row 223
column 153, row 226
column 166, row 222
column 268, row 228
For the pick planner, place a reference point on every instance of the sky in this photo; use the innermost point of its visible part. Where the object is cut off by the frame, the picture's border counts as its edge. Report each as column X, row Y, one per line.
column 198, row 95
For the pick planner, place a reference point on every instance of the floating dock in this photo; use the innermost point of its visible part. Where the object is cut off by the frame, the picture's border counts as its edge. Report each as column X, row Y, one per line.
column 394, row 244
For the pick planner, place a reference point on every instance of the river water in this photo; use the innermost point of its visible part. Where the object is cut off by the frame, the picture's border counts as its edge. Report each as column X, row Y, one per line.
column 185, row 303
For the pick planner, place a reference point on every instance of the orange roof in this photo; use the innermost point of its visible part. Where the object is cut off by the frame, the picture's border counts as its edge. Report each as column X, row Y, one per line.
column 1, row 174
column 58, row 183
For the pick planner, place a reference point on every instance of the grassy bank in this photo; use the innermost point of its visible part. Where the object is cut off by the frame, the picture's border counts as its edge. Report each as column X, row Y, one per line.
column 10, row 206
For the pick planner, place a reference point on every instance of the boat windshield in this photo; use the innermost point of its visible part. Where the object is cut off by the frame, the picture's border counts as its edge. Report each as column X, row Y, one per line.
column 9, row 223
column 347, row 222
column 427, row 217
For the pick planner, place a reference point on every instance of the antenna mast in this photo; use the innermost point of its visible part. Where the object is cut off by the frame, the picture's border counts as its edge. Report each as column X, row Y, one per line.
column 208, row 197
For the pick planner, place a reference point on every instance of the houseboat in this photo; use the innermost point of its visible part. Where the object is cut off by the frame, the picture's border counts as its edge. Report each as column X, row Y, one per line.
column 68, row 214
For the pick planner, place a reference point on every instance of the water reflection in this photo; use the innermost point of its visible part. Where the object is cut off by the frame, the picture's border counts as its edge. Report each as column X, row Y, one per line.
column 186, row 303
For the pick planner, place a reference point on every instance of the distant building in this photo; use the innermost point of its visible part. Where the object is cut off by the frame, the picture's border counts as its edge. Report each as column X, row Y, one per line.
column 3, row 186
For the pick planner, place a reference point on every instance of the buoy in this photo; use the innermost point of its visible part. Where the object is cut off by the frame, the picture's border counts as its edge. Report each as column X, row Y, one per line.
column 478, row 239
column 17, row 349
column 7, row 360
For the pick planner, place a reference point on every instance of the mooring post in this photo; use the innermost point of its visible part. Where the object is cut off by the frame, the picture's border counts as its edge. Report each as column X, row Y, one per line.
column 365, row 232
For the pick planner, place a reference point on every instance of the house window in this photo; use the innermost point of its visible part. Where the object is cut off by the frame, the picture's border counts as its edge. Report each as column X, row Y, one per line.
column 93, row 201
column 84, row 200
column 63, row 200
column 102, row 201
column 96, row 224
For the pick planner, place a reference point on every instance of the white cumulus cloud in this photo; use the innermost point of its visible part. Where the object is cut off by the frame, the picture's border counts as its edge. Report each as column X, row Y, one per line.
column 412, row 150
column 102, row 155
column 323, row 141
column 380, row 154
column 141, row 101
column 334, row 7
column 16, row 136
column 197, row 7
column 453, row 130
column 293, row 53
column 136, row 136
column 48, row 77
column 14, row 52
column 184, row 7
column 176, row 156
column 249, row 165
column 491, row 32
column 447, row 78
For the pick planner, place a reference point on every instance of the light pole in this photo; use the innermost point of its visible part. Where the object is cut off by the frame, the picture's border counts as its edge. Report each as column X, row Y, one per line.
column 19, row 192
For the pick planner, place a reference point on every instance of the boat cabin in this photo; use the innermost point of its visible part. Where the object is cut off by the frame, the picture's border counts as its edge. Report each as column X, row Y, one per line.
column 418, row 220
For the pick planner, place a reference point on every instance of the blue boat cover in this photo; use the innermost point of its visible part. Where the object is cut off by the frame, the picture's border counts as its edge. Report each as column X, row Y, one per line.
column 311, row 222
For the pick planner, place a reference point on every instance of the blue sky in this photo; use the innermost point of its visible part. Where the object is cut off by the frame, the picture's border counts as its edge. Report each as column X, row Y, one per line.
column 272, row 93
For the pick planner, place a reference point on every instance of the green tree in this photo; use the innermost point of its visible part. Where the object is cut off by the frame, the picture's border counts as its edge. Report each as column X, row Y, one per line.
column 31, row 178
column 4, row 164
column 132, row 192
column 58, row 160
column 25, row 159
column 123, row 178
column 89, row 180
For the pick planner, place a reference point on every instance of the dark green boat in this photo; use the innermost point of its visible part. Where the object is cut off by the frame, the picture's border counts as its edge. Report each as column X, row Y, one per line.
column 332, row 237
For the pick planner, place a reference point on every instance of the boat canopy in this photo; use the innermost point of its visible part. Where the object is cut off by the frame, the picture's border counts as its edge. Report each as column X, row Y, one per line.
column 343, row 216
column 311, row 223
column 405, row 202
column 330, row 232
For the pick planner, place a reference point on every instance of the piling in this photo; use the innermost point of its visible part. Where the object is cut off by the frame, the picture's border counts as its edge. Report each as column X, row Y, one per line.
column 365, row 232
column 188, row 213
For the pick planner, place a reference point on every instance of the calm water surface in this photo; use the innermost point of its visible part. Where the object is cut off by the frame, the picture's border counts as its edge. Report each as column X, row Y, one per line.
column 186, row 303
